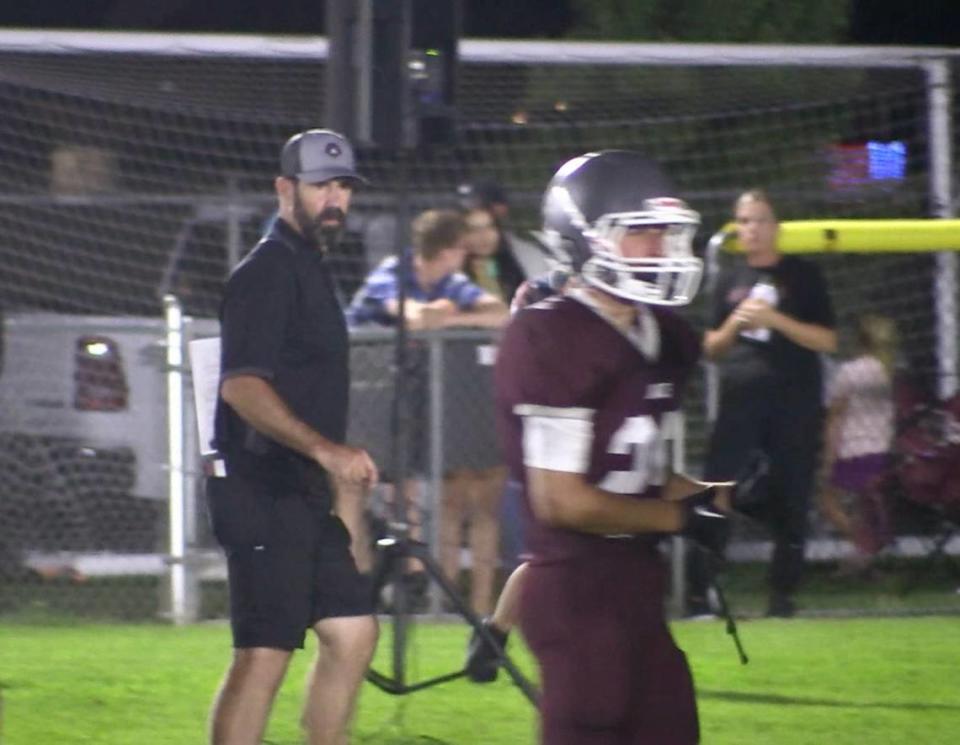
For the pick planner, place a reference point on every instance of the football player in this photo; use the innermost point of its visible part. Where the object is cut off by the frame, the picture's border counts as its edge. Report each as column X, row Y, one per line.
column 586, row 381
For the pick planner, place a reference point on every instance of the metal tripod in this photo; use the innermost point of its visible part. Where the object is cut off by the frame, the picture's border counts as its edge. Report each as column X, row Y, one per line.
column 393, row 553
column 397, row 548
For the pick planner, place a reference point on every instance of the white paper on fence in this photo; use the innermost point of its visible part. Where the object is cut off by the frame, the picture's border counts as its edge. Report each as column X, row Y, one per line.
column 205, row 365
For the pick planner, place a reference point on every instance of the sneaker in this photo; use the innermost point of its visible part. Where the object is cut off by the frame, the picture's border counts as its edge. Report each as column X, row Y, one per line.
column 482, row 659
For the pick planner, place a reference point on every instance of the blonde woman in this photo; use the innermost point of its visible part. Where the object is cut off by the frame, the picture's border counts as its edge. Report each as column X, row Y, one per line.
column 771, row 319
column 858, row 436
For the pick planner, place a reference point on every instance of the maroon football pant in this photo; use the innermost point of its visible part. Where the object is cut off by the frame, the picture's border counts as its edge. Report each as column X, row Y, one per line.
column 610, row 671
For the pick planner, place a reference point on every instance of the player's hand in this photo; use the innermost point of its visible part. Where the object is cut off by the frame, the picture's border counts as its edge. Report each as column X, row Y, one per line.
column 705, row 520
column 723, row 495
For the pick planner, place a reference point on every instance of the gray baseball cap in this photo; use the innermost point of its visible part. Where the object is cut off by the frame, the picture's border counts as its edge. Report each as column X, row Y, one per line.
column 319, row 155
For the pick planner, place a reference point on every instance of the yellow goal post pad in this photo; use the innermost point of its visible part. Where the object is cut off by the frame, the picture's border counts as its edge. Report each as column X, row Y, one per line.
column 861, row 236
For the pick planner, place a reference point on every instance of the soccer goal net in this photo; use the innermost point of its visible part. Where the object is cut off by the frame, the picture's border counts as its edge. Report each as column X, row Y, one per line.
column 134, row 166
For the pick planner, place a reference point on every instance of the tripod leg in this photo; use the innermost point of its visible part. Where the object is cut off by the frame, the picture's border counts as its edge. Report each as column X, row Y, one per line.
column 731, row 623
column 393, row 555
column 420, row 551
column 388, row 572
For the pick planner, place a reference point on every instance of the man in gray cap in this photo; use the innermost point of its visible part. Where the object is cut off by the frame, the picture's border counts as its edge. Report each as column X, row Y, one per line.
column 281, row 456
column 323, row 159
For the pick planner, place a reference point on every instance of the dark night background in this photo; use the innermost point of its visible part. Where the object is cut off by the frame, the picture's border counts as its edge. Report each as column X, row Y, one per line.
column 909, row 22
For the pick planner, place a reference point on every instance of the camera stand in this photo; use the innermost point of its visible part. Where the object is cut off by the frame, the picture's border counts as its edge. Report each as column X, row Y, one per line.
column 393, row 553
column 397, row 548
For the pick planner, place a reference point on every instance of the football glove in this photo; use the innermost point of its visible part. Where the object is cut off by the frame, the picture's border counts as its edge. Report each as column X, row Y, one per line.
column 704, row 524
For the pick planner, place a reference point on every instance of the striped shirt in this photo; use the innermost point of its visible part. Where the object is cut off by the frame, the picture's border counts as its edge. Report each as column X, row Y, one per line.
column 382, row 285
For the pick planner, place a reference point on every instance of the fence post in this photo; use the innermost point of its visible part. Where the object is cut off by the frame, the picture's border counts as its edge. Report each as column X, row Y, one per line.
column 181, row 609
column 941, row 197
column 437, row 452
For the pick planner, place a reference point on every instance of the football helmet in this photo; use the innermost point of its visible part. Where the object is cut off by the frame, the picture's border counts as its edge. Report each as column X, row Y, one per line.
column 593, row 201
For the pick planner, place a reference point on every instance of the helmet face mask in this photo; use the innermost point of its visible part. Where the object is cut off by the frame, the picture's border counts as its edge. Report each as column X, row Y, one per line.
column 595, row 201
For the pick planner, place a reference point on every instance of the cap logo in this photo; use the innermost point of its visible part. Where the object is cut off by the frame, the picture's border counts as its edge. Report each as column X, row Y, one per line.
column 333, row 149
column 664, row 203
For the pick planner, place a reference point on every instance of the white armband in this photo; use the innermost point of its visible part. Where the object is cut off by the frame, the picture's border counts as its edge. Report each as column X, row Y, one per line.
column 556, row 439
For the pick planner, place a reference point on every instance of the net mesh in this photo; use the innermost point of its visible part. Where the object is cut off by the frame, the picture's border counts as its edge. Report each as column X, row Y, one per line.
column 125, row 176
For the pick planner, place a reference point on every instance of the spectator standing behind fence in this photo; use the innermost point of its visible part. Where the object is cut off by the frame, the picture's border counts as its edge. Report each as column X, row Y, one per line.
column 439, row 295
column 857, row 441
column 280, row 428
column 500, row 261
column 771, row 318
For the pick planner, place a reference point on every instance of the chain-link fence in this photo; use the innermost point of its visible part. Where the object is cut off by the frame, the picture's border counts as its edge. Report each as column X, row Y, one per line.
column 141, row 169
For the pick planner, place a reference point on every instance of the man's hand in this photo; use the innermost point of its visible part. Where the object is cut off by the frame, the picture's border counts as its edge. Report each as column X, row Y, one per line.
column 426, row 316
column 349, row 464
column 434, row 314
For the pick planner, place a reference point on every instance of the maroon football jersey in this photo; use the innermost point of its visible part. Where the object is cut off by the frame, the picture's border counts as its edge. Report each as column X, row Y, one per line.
column 574, row 393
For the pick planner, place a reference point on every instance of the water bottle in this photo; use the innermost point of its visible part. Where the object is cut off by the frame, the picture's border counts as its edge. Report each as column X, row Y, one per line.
column 766, row 290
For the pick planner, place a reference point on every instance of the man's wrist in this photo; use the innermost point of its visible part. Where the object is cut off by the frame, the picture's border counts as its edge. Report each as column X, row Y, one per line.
column 323, row 452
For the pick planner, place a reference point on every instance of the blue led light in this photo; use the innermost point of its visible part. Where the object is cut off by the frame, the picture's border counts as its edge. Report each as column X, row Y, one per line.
column 887, row 160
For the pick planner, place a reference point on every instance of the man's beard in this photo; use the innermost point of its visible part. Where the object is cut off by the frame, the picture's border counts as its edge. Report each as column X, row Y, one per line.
column 323, row 231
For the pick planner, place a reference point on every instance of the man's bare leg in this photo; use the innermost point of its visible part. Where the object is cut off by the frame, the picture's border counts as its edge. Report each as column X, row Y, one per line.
column 243, row 703
column 350, row 506
column 345, row 648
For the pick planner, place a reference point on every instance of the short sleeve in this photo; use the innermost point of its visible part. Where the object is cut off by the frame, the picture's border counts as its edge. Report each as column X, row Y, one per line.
column 719, row 309
column 842, row 383
column 256, row 308
column 554, row 399
column 818, row 307
column 464, row 293
column 369, row 303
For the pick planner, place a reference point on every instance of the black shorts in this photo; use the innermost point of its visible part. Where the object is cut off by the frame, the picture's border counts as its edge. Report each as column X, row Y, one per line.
column 288, row 563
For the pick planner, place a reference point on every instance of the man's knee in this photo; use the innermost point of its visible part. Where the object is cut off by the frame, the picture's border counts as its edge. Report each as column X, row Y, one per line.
column 260, row 666
column 349, row 638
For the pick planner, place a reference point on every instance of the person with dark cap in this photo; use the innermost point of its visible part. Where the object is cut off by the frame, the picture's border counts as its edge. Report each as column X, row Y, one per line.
column 279, row 436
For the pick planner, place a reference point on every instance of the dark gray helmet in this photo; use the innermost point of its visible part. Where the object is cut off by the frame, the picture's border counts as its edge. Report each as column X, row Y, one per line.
column 590, row 204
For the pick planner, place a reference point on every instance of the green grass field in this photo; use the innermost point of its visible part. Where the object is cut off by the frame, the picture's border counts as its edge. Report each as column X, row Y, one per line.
column 809, row 681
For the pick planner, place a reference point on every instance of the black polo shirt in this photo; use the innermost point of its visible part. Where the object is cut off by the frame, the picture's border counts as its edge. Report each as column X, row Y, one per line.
column 281, row 320
column 778, row 363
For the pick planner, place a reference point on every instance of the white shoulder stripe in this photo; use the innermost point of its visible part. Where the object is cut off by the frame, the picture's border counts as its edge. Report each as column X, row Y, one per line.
column 558, row 412
column 557, row 443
